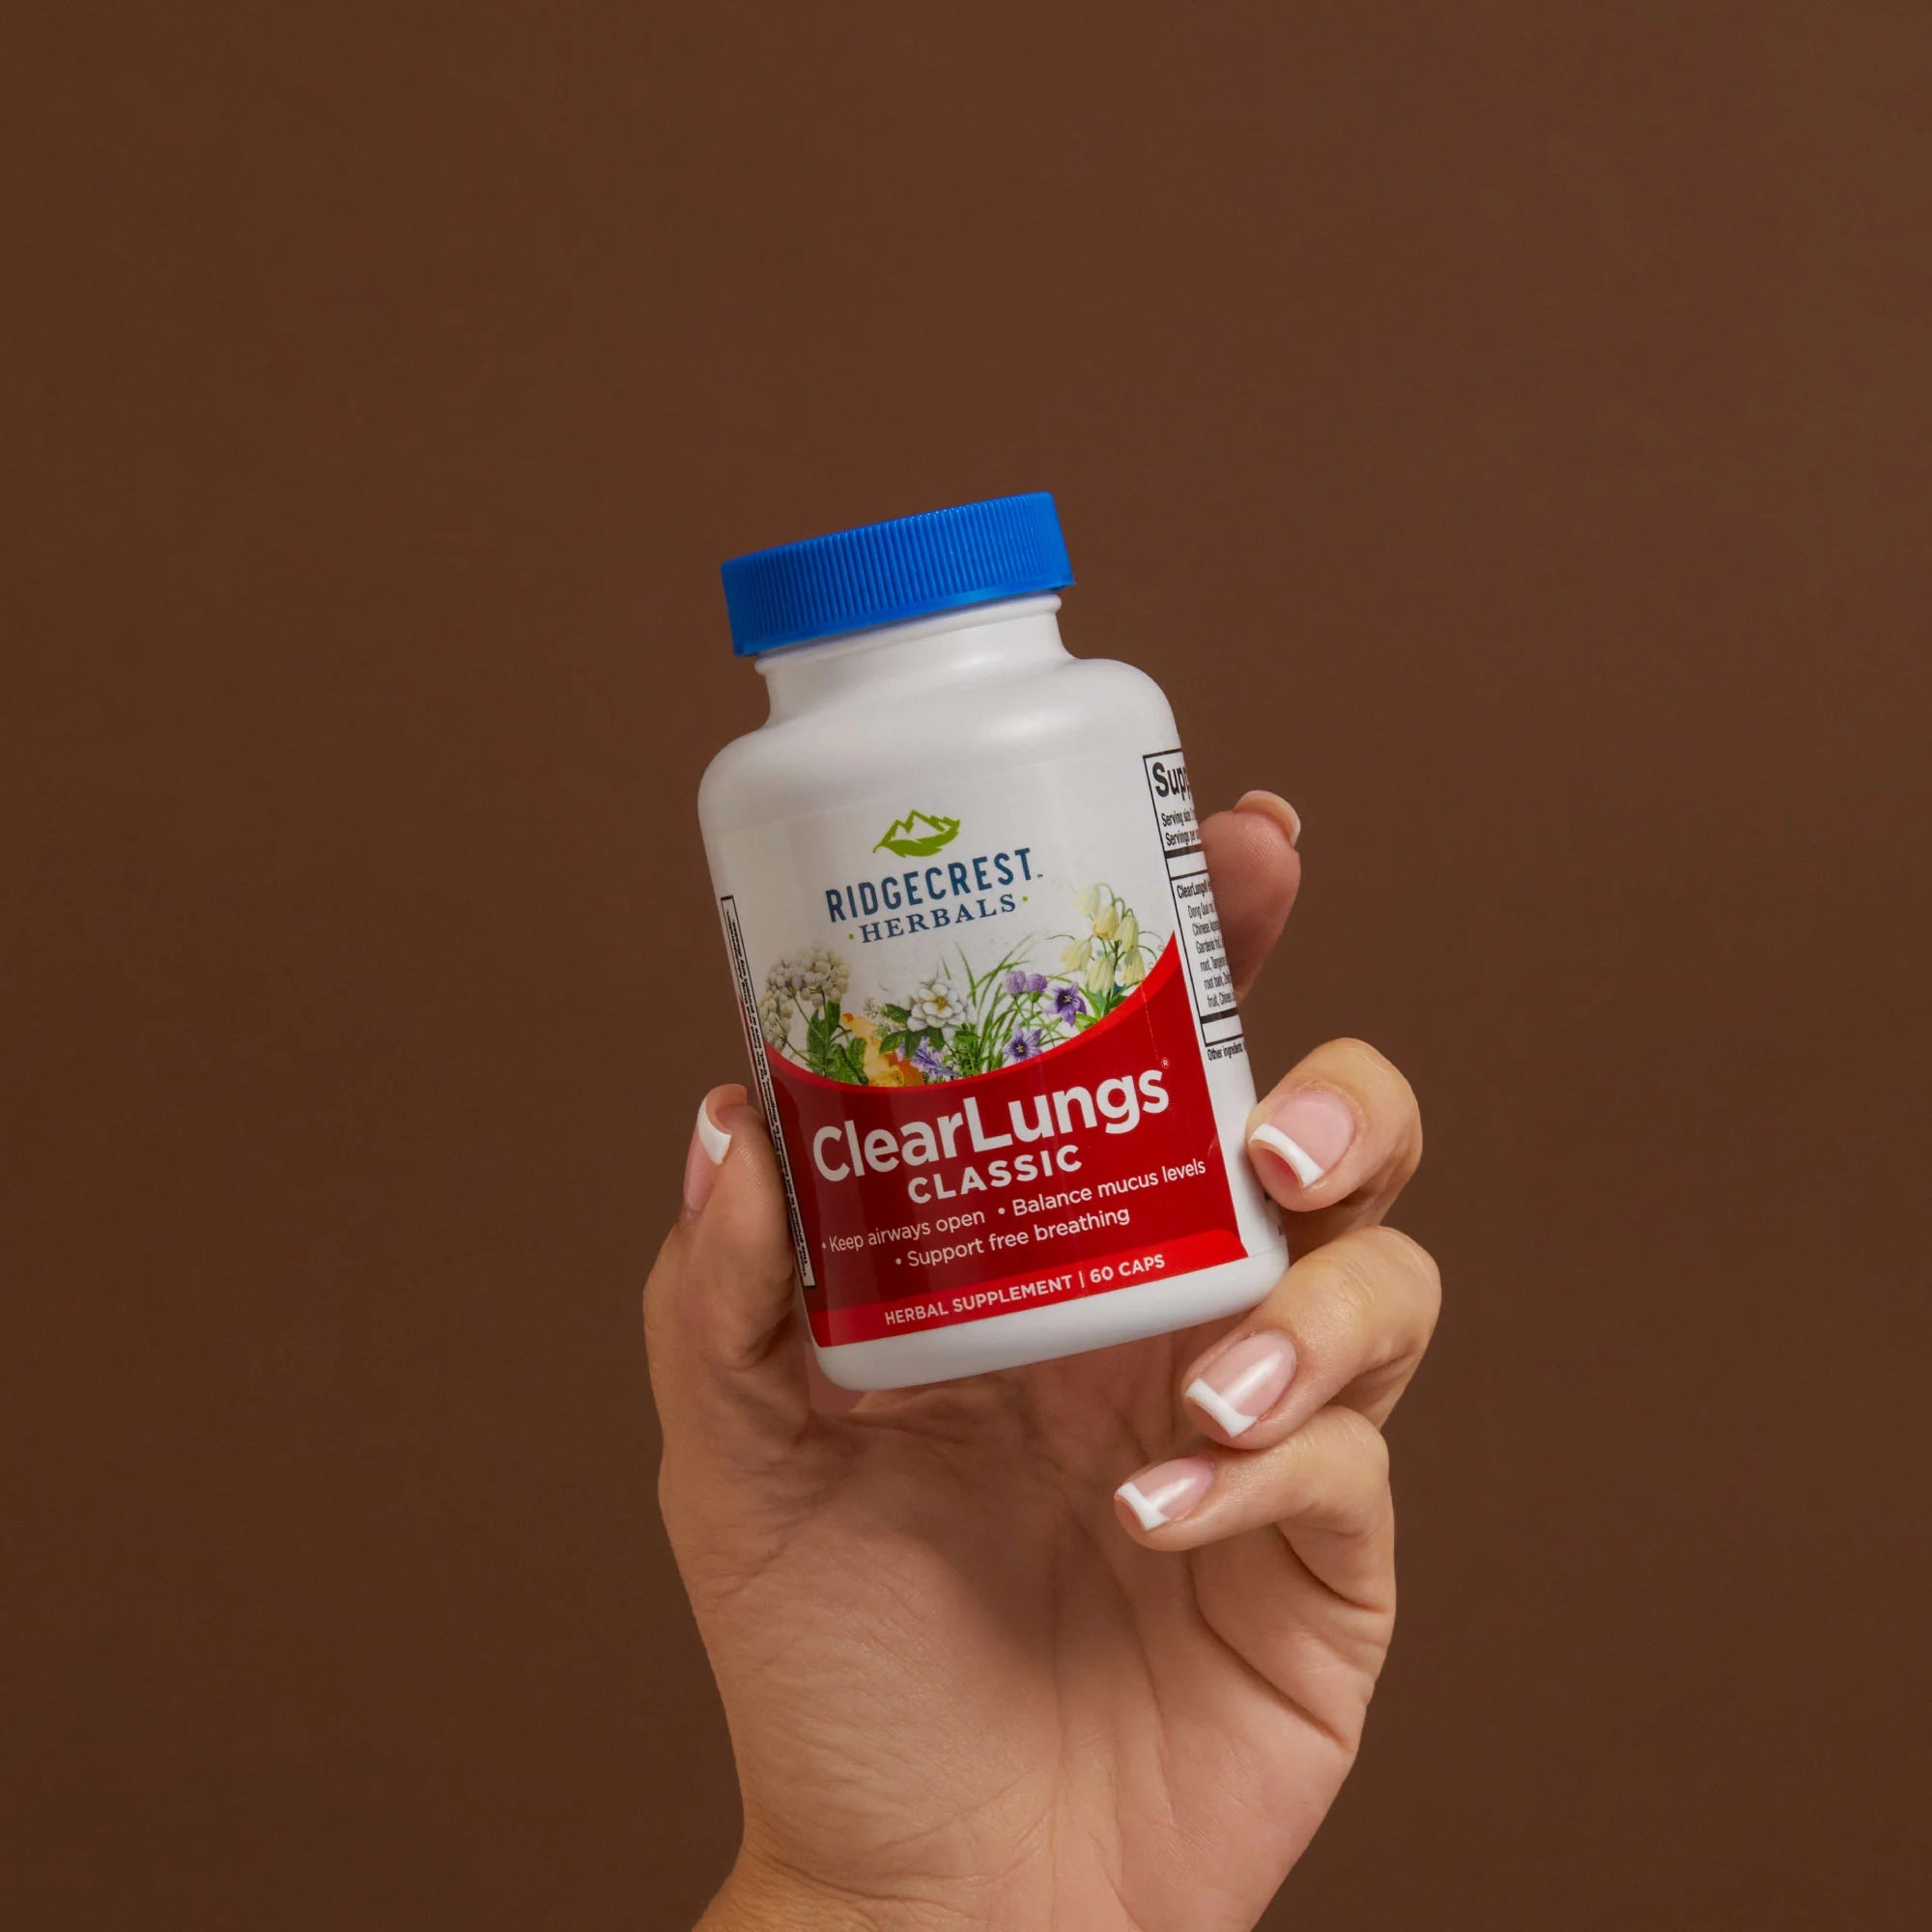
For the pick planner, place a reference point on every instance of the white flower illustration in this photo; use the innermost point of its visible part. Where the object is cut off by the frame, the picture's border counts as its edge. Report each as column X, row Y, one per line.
column 807, row 980
column 933, row 1004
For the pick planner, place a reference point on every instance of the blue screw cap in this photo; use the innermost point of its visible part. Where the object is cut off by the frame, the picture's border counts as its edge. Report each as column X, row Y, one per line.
column 885, row 572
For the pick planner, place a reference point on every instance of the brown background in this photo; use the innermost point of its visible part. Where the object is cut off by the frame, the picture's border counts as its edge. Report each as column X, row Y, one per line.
column 1502, row 427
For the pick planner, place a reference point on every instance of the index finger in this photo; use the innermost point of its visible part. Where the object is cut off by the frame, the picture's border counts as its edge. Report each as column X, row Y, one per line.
column 1336, row 1141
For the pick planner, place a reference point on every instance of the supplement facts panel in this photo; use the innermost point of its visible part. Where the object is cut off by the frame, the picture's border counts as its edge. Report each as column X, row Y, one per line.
column 1194, row 918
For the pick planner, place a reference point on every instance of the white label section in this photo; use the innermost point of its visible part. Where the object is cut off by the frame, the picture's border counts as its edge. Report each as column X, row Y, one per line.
column 1195, row 918
column 974, row 921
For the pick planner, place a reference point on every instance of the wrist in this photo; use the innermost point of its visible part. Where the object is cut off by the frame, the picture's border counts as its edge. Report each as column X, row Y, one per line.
column 759, row 1897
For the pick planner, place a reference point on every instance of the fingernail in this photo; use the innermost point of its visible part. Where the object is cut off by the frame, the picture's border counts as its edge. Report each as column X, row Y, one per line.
column 1167, row 1492
column 1311, row 1130
column 1242, row 1384
column 709, row 1145
column 1276, row 807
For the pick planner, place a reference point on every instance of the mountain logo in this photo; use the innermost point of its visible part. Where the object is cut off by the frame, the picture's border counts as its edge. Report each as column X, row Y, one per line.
column 919, row 835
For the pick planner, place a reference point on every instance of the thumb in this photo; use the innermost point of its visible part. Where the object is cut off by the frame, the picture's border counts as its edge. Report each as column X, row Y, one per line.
column 721, row 1311
column 1256, row 872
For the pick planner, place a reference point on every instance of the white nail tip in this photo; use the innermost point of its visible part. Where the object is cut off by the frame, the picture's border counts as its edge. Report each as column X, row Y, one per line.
column 712, row 1138
column 1212, row 1403
column 1307, row 1170
column 1152, row 1515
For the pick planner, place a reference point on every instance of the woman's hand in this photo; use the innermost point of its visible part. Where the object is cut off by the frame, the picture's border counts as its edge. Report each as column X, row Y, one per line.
column 1082, row 1645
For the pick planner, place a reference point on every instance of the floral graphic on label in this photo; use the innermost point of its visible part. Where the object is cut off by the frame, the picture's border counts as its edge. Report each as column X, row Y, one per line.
column 1110, row 957
column 904, row 835
column 957, row 1022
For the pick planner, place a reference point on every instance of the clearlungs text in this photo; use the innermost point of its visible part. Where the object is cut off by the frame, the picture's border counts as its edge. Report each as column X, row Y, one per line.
column 946, row 1142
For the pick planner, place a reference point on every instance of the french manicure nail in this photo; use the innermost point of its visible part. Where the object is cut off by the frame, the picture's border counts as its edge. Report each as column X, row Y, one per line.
column 1167, row 1492
column 1244, row 1383
column 709, row 1145
column 1276, row 807
column 1310, row 1129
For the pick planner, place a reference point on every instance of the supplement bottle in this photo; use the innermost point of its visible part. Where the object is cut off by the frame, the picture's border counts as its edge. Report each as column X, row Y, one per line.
column 975, row 950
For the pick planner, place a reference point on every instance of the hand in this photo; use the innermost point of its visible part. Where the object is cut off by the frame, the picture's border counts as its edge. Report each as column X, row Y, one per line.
column 966, row 1684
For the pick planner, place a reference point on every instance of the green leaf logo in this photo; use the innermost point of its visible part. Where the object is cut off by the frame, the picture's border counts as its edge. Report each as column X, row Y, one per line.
column 919, row 835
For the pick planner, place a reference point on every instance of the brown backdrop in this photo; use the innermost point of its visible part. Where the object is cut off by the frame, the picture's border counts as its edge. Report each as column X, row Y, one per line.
column 1505, row 431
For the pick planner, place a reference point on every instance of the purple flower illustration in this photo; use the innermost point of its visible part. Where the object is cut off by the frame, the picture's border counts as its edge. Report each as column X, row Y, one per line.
column 928, row 1060
column 1019, row 982
column 1067, row 1004
column 1024, row 1044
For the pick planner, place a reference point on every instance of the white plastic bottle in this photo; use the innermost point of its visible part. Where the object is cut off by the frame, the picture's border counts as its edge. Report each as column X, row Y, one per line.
column 977, row 958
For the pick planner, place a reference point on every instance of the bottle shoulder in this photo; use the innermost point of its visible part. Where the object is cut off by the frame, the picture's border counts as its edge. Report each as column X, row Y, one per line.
column 862, row 742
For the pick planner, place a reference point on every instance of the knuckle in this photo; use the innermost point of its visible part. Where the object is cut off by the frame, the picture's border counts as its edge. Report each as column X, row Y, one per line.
column 1409, row 1154
column 657, row 1294
column 1356, row 1048
column 1389, row 1096
column 1416, row 1265
column 1379, row 1069
column 671, row 1502
column 1353, row 1470
column 1403, row 1112
column 1353, row 1289
column 1354, row 1439
column 1392, row 1258
column 1366, row 1450
column 1353, row 1277
column 1374, row 1301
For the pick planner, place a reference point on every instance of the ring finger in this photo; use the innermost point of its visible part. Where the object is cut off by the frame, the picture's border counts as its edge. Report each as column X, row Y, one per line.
column 1347, row 1323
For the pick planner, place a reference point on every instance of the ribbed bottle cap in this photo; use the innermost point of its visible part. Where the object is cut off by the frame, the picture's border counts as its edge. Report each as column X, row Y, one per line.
column 884, row 573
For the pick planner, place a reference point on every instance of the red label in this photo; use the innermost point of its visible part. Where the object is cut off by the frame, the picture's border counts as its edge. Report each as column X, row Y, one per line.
column 1093, row 1167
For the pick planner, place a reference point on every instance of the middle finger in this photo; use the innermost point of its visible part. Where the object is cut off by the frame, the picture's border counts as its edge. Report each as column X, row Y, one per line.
column 1346, row 1324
